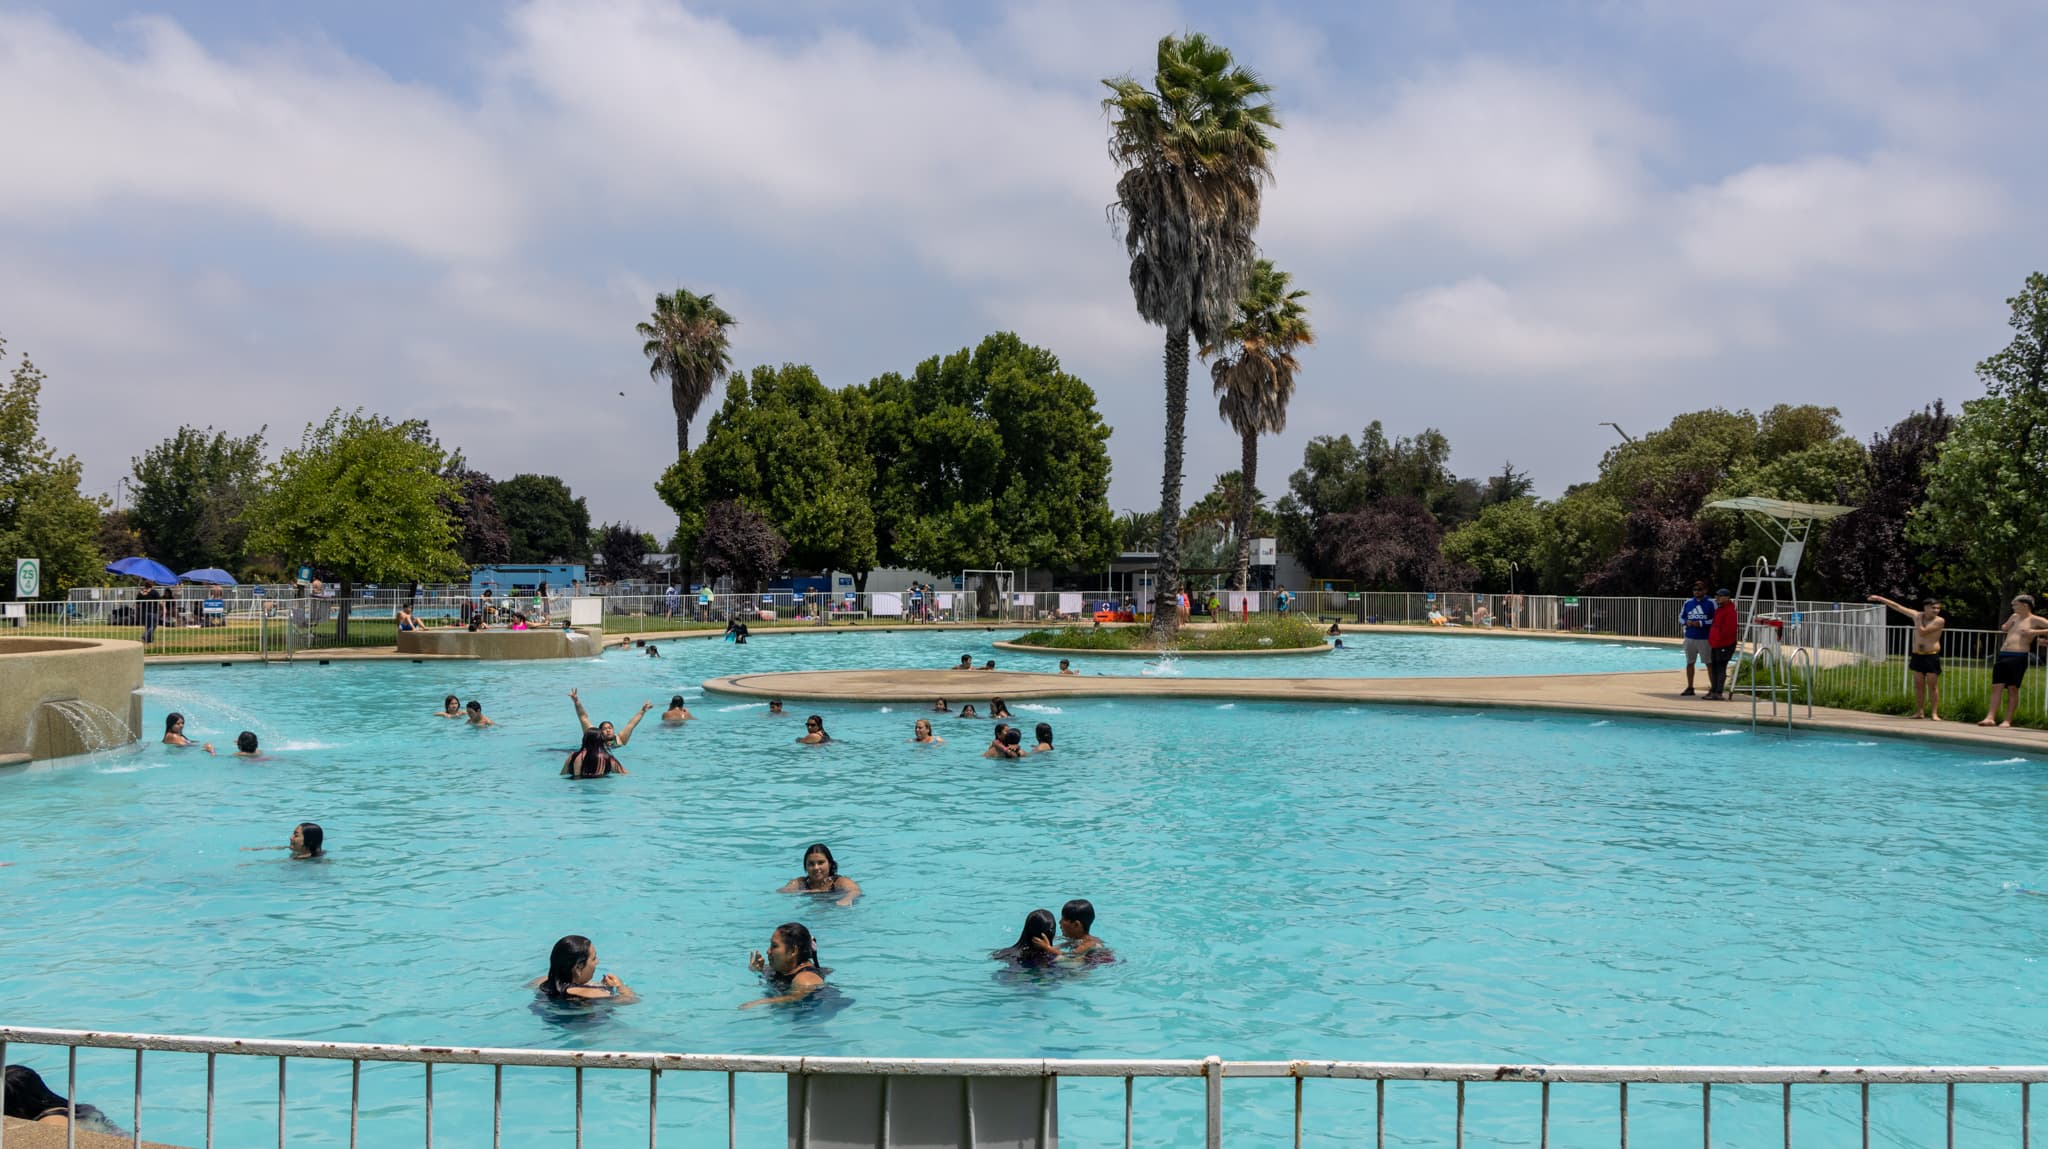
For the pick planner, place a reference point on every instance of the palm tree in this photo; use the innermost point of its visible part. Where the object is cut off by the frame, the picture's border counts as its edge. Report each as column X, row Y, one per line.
column 1254, row 372
column 1195, row 151
column 686, row 345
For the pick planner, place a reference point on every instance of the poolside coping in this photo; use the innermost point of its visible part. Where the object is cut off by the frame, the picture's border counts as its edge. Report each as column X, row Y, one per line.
column 1633, row 694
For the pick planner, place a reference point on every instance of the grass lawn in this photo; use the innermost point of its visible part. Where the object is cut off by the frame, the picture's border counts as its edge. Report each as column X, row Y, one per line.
column 1884, row 689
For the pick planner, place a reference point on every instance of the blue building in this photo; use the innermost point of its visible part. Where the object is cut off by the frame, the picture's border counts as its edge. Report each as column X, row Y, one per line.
column 510, row 578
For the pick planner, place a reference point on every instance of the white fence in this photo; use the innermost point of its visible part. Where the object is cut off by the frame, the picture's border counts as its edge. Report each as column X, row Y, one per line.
column 1213, row 1072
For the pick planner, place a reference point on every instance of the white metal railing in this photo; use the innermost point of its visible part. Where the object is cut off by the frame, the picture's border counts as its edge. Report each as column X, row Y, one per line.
column 1212, row 1070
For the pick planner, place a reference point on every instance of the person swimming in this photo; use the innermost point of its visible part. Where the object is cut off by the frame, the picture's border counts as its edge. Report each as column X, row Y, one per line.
column 774, row 708
column 594, row 759
column 451, row 707
column 821, row 876
column 966, row 662
column 307, row 840
column 1066, row 669
column 1334, row 629
column 814, row 731
column 245, row 747
column 1001, row 744
column 921, row 731
column 1034, row 947
column 1044, row 733
column 940, row 707
column 571, row 965
column 612, row 735
column 174, row 732
column 476, row 714
column 653, row 651
column 967, row 711
column 997, row 708
column 676, row 711
column 791, row 967
column 989, row 665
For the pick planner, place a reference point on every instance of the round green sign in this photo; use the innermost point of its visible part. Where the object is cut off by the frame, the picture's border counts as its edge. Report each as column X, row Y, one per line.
column 28, row 578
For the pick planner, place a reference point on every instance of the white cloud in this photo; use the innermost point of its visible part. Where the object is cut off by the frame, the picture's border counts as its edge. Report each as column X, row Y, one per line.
column 1476, row 326
column 311, row 140
column 1774, row 222
column 1494, row 155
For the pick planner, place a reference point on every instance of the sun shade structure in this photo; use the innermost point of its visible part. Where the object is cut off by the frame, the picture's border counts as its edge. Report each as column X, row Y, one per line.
column 213, row 576
column 138, row 567
column 1782, row 509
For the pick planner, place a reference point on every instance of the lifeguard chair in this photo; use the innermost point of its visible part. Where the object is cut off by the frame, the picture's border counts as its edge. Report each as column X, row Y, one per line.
column 1768, row 595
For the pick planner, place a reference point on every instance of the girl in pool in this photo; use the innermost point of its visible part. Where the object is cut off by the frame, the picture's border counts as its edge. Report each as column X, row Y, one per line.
column 967, row 711
column 791, row 967
column 922, row 732
column 814, row 732
column 1035, row 948
column 451, row 707
column 593, row 759
column 476, row 714
column 822, row 876
column 940, row 707
column 997, row 709
column 571, row 965
column 676, row 711
column 1044, row 733
column 174, row 732
column 1006, row 743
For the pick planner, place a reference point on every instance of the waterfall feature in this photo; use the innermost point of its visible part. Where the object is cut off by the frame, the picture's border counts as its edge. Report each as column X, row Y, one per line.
column 84, row 727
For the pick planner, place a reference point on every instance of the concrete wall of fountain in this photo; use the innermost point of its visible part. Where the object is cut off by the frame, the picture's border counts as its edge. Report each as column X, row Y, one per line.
column 62, row 696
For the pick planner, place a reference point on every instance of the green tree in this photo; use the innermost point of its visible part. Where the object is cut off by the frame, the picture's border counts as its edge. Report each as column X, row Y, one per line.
column 364, row 499
column 685, row 343
column 544, row 522
column 1253, row 370
column 985, row 458
column 681, row 486
column 1503, row 546
column 192, row 492
column 1986, row 517
column 775, row 447
column 42, row 514
column 1195, row 151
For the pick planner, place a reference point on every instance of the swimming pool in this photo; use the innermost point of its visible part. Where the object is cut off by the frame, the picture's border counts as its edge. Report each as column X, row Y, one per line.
column 1329, row 882
column 1365, row 654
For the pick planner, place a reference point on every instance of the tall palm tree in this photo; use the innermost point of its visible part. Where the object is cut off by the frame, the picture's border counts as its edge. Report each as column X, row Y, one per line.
column 686, row 345
column 1254, row 373
column 1195, row 151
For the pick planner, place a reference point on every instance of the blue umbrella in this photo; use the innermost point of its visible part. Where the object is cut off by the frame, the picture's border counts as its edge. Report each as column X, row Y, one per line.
column 139, row 567
column 213, row 575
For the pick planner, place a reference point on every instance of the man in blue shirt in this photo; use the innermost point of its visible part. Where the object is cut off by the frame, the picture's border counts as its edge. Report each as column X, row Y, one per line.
column 1697, row 615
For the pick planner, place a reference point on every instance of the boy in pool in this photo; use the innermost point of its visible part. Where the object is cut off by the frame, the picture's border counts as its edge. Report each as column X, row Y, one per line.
column 1076, row 919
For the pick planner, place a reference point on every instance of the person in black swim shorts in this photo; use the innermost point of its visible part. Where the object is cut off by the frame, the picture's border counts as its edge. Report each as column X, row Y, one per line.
column 2024, row 630
column 1924, row 663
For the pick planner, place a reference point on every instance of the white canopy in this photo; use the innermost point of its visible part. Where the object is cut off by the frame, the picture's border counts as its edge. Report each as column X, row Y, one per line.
column 1782, row 509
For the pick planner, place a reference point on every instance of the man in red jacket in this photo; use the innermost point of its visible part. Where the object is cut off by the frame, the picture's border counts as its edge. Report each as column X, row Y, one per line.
column 1722, row 637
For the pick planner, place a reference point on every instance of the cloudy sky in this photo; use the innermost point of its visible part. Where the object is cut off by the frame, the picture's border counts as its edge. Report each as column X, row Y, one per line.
column 1516, row 221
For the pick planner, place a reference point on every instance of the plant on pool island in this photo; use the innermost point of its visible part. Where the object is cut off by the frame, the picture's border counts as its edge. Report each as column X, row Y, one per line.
column 360, row 497
column 1254, row 376
column 42, row 515
column 1195, row 149
column 1262, row 632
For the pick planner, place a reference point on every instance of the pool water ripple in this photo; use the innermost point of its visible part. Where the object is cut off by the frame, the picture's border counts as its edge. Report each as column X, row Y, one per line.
column 1305, row 881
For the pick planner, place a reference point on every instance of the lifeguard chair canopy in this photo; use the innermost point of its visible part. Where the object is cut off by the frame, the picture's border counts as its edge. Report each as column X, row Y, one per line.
column 1787, row 522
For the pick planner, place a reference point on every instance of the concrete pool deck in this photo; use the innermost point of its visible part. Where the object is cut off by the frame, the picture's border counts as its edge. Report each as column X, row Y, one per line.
column 1633, row 694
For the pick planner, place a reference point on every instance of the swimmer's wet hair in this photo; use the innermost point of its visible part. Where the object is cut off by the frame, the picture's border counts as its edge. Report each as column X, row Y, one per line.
column 171, row 721
column 474, row 707
column 676, row 702
column 246, row 742
column 1079, row 910
column 1013, row 737
column 822, row 848
column 1044, row 733
column 311, row 834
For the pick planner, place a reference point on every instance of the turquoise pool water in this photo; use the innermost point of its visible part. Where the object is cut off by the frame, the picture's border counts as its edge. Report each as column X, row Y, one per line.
column 1325, row 882
column 1365, row 654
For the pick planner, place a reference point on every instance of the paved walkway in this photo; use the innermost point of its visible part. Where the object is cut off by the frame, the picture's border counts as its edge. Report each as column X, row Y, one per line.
column 1639, row 694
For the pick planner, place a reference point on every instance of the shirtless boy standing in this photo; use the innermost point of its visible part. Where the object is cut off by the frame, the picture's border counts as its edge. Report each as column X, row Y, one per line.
column 1925, row 661
column 2023, row 630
